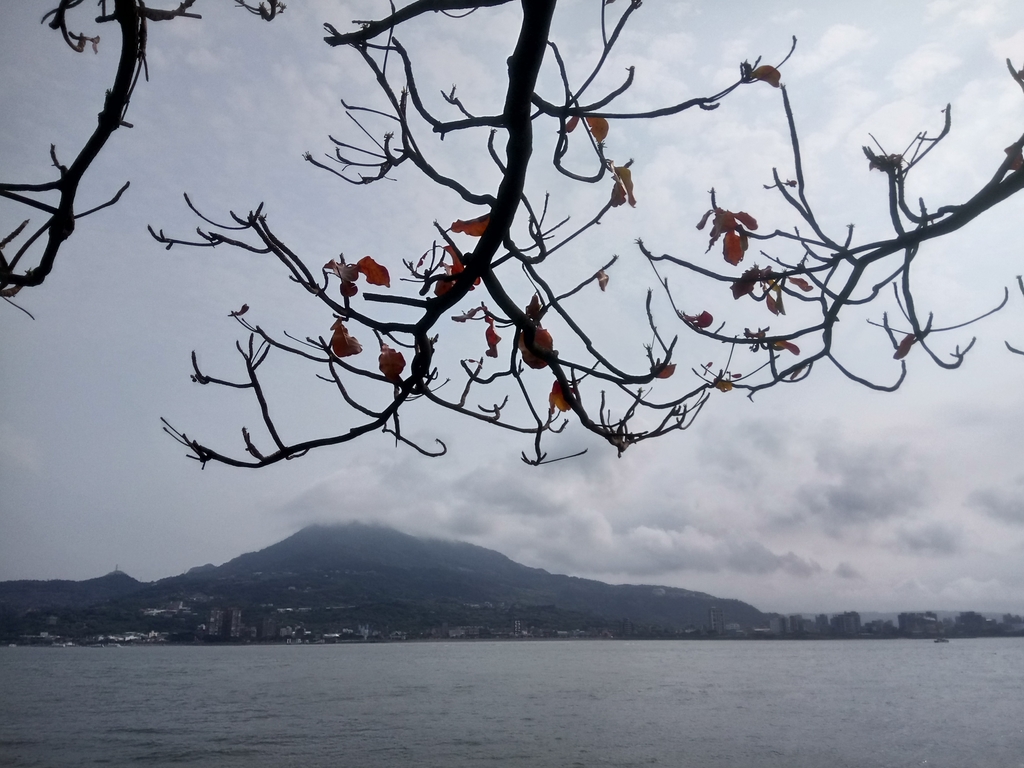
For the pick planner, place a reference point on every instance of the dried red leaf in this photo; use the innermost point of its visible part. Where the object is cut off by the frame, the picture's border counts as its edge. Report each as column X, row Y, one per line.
column 749, row 280
column 602, row 279
column 346, row 272
column 457, row 267
column 557, row 399
column 492, row 338
column 349, row 289
column 239, row 312
column 469, row 315
column 884, row 163
column 618, row 195
column 703, row 320
column 542, row 341
column 472, row 227
column 342, row 343
column 571, row 123
column 744, row 286
column 788, row 346
column 746, row 220
column 391, row 363
column 598, row 127
column 768, row 74
column 904, row 347
column 800, row 283
column 533, row 310
column 624, row 177
column 374, row 272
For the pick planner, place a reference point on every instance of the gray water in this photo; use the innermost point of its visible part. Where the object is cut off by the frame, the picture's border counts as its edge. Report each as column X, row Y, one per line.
column 575, row 703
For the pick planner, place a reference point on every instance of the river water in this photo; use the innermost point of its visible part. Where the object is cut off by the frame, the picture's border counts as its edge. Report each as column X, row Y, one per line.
column 548, row 703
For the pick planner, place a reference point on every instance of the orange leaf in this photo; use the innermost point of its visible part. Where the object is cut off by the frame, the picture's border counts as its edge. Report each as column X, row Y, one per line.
column 492, row 338
column 392, row 363
column 375, row 273
column 666, row 372
column 598, row 127
column 768, row 74
column 904, row 348
column 343, row 344
column 441, row 287
column 602, row 279
column 571, row 123
column 732, row 247
column 472, row 227
column 542, row 341
column 456, row 261
column 723, row 385
column 557, row 399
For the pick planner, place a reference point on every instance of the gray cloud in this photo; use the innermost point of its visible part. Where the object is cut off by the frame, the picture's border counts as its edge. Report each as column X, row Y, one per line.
column 859, row 487
column 1003, row 505
column 847, row 571
column 643, row 552
column 931, row 539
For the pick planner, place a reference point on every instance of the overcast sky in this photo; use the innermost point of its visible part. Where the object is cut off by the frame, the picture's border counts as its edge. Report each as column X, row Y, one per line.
column 818, row 497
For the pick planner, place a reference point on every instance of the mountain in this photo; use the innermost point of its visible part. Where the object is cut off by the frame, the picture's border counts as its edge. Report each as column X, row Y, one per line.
column 57, row 593
column 346, row 575
column 358, row 563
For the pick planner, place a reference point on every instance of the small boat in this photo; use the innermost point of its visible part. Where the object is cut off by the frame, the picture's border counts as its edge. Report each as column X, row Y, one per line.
column 941, row 640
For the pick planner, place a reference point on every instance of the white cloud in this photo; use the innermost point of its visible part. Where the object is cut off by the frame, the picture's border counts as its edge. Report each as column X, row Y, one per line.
column 926, row 64
column 837, row 42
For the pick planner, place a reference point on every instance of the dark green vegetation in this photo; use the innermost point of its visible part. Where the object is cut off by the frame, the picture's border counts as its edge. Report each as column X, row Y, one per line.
column 327, row 579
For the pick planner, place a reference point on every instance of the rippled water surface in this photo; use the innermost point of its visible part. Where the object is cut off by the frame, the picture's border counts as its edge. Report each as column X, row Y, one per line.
column 575, row 703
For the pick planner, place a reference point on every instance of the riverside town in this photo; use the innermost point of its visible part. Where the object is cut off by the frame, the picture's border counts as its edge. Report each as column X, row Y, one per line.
column 304, row 625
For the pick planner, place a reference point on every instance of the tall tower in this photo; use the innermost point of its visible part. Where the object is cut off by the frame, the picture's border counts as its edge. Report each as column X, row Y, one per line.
column 716, row 620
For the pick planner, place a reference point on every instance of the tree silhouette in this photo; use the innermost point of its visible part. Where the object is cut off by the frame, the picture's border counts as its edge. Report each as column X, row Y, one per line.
column 39, row 247
column 493, row 268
